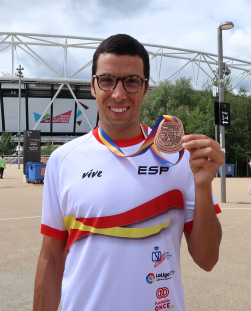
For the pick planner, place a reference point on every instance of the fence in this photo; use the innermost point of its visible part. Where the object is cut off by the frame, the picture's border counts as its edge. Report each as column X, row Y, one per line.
column 14, row 160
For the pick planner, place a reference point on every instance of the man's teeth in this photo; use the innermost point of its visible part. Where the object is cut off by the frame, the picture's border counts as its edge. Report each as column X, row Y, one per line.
column 118, row 110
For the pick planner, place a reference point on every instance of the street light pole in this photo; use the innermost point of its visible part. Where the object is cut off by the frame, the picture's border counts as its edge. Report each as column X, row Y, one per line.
column 221, row 68
column 19, row 74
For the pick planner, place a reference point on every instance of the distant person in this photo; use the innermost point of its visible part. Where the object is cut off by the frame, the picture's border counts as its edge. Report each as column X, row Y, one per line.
column 2, row 166
column 249, row 163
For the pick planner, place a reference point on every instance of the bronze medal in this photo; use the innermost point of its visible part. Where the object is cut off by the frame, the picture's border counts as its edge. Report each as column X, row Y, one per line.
column 168, row 138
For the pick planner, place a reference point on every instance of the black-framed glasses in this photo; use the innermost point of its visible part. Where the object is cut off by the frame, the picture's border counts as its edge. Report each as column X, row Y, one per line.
column 107, row 82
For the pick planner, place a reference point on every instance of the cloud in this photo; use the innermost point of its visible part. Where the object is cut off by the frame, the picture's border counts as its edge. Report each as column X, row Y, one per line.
column 240, row 43
column 189, row 25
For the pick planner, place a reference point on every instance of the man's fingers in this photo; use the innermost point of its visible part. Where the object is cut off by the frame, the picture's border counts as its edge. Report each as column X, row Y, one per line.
column 201, row 146
column 208, row 153
column 199, row 141
column 190, row 137
column 211, row 167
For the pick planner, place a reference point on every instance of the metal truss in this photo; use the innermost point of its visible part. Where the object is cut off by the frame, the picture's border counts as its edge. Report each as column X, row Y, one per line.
column 200, row 65
column 202, row 61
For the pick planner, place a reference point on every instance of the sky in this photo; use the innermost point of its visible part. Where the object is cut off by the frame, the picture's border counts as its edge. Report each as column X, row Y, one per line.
column 184, row 24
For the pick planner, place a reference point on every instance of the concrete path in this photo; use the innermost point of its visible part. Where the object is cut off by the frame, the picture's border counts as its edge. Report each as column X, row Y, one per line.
column 227, row 287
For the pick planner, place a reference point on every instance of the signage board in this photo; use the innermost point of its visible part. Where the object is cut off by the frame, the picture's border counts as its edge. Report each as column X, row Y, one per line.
column 222, row 114
column 32, row 147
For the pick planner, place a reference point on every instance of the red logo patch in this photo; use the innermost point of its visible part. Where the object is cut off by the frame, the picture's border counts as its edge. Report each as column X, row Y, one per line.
column 162, row 292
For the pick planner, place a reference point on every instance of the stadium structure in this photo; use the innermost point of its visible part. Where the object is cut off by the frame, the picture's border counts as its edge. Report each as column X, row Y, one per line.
column 60, row 105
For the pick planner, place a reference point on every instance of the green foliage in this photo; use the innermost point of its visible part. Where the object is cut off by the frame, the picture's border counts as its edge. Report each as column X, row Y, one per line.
column 174, row 99
column 48, row 148
column 196, row 111
column 238, row 135
column 7, row 146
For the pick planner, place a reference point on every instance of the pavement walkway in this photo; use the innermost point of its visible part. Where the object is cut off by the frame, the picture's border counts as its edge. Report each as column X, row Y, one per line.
column 225, row 288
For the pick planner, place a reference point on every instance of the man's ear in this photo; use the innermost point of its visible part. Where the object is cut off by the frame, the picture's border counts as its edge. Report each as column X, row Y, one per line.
column 146, row 90
column 93, row 88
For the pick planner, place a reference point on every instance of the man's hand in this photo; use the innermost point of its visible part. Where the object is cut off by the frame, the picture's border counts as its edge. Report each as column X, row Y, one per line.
column 205, row 158
column 204, row 239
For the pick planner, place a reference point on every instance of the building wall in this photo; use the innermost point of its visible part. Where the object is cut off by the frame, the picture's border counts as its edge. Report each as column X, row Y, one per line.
column 63, row 117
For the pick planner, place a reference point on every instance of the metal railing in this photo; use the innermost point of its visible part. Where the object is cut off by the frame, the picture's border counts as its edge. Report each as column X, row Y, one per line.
column 14, row 159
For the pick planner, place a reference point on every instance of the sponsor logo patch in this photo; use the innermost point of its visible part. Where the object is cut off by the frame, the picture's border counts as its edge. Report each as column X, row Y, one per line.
column 91, row 174
column 164, row 276
column 158, row 257
column 162, row 292
column 163, row 305
column 150, row 278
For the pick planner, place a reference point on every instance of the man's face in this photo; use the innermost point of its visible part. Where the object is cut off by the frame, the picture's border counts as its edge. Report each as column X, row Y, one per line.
column 119, row 111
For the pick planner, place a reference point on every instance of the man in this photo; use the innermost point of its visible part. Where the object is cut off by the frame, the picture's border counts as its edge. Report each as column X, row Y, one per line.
column 2, row 166
column 118, row 220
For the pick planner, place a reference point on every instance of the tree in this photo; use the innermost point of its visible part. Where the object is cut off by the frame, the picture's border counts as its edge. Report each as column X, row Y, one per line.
column 7, row 145
column 48, row 148
column 173, row 99
column 238, row 135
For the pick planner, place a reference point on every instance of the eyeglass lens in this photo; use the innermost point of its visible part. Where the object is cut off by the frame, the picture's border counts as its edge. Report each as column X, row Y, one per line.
column 131, row 84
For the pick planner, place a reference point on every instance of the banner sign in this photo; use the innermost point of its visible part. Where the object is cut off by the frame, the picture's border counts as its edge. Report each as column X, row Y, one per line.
column 32, row 147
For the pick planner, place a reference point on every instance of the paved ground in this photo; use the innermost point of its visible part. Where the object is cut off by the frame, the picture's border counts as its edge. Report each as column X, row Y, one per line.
column 227, row 287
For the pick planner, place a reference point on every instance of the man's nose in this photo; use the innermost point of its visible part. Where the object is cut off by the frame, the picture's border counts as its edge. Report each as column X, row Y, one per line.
column 119, row 93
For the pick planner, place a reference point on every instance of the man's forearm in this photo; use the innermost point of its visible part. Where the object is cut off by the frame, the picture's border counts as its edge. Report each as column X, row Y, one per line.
column 205, row 237
column 47, row 285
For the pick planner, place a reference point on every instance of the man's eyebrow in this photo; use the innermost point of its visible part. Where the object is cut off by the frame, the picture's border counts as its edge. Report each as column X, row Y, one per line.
column 129, row 76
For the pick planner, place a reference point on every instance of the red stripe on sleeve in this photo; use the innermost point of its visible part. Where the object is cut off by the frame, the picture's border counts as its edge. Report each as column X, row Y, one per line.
column 217, row 209
column 189, row 225
column 54, row 233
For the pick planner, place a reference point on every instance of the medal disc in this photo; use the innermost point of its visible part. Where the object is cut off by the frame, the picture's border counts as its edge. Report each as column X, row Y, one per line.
column 168, row 138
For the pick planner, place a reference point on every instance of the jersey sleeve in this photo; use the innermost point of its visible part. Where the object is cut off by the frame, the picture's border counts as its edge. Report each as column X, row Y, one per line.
column 52, row 220
column 190, row 203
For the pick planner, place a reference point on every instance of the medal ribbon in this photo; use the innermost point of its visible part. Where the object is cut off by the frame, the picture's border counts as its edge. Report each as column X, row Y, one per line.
column 148, row 143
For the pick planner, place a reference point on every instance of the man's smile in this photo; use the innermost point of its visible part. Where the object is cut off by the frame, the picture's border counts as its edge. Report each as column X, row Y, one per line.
column 119, row 110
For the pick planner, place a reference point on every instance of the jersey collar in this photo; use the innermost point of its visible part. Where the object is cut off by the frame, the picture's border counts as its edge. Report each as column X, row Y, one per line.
column 124, row 142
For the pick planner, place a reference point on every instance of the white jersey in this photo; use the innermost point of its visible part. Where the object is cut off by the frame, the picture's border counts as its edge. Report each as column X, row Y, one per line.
column 124, row 219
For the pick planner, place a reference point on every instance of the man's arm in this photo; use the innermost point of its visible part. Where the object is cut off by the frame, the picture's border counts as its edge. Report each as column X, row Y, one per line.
column 204, row 239
column 49, row 274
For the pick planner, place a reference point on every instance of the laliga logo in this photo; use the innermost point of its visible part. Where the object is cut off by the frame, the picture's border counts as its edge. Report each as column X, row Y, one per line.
column 150, row 278
column 162, row 292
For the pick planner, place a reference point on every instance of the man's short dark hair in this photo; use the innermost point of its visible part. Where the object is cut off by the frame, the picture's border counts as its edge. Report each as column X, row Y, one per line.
column 123, row 45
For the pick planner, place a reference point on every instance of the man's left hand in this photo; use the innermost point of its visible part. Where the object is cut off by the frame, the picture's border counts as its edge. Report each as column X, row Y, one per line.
column 206, row 157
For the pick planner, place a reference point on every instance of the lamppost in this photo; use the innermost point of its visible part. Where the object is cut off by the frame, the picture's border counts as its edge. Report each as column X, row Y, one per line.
column 19, row 74
column 221, row 70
